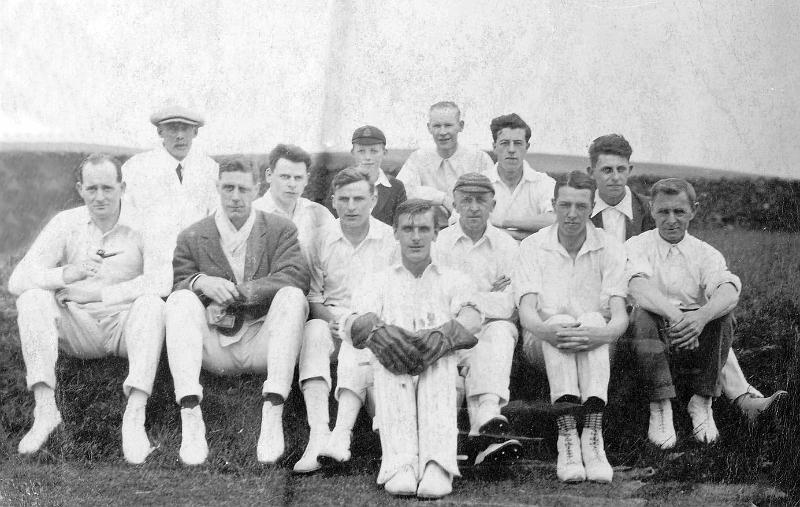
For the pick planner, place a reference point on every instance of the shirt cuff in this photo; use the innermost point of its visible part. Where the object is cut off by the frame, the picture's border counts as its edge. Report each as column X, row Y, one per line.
column 54, row 278
column 193, row 280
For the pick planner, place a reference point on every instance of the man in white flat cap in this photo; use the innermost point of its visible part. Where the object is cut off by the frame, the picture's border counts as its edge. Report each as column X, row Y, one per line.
column 173, row 186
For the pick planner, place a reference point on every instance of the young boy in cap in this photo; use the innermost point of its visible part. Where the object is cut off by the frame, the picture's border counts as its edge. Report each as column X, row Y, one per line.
column 369, row 148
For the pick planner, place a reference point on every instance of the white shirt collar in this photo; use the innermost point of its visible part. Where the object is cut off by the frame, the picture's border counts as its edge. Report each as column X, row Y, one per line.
column 593, row 241
column 664, row 246
column 528, row 173
column 625, row 206
column 337, row 234
column 383, row 179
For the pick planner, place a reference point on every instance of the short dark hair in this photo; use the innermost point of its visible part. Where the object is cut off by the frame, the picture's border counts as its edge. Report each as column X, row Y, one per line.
column 350, row 175
column 95, row 159
column 509, row 121
column 413, row 207
column 610, row 144
column 291, row 153
column 236, row 166
column 446, row 104
column 674, row 186
column 575, row 179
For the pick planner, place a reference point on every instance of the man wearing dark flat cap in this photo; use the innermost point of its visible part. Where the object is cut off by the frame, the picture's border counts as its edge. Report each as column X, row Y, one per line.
column 173, row 185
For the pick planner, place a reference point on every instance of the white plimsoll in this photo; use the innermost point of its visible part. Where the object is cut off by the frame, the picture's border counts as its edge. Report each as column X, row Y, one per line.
column 45, row 420
column 705, row 429
column 338, row 446
column 315, row 395
column 403, row 483
column 596, row 464
column 661, row 431
column 270, row 445
column 194, row 448
column 317, row 439
column 135, row 444
column 435, row 483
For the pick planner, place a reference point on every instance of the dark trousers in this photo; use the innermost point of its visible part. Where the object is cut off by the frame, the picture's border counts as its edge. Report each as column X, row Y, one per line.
column 658, row 363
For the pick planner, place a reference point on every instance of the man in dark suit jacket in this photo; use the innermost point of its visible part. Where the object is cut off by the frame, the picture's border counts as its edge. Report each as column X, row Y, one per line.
column 623, row 214
column 239, row 305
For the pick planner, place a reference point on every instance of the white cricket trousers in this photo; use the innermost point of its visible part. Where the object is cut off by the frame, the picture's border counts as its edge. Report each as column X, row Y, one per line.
column 417, row 418
column 486, row 367
column 581, row 374
column 45, row 327
column 316, row 352
column 274, row 348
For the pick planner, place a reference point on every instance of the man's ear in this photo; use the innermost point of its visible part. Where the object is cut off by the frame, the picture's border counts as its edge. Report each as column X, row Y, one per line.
column 268, row 175
column 460, row 125
column 78, row 186
column 589, row 170
column 123, row 186
column 160, row 131
column 630, row 170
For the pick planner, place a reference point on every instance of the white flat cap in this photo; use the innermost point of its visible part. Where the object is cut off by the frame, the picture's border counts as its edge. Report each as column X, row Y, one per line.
column 176, row 114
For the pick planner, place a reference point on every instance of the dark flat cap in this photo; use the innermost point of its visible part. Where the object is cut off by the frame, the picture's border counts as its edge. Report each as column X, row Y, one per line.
column 177, row 114
column 474, row 183
column 368, row 135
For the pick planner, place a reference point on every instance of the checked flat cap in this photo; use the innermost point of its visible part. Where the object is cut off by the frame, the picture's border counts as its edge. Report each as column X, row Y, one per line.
column 177, row 114
column 474, row 183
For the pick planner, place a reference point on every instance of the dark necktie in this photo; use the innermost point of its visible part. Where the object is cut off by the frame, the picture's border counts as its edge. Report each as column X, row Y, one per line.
column 179, row 172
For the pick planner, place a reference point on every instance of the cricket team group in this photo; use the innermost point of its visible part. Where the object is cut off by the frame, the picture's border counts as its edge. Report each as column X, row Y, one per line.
column 416, row 288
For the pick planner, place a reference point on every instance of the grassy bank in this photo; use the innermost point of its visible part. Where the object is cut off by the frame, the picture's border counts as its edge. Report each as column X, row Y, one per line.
column 91, row 400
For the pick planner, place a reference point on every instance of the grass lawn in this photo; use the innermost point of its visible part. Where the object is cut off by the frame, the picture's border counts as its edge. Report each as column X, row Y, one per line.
column 82, row 463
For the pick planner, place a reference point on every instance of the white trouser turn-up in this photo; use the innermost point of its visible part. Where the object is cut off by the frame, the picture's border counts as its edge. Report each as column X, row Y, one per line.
column 274, row 347
column 417, row 418
column 582, row 374
column 45, row 327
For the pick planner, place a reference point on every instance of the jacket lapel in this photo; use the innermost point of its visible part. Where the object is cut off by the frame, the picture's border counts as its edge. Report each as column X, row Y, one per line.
column 256, row 244
column 634, row 227
column 597, row 220
column 211, row 246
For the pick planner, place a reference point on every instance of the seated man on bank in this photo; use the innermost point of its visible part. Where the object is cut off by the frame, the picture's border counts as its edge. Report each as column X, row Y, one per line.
column 341, row 255
column 91, row 285
column 239, row 306
column 569, row 277
column 413, row 316
column 486, row 255
column 624, row 213
column 682, row 326
column 287, row 174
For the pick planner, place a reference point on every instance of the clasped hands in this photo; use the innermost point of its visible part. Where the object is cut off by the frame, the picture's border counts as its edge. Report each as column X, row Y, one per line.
column 407, row 352
column 72, row 273
column 684, row 331
column 223, row 291
column 575, row 337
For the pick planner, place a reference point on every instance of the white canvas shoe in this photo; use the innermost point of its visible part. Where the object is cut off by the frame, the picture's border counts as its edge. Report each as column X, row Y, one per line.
column 45, row 420
column 270, row 445
column 436, row 482
column 569, row 466
column 135, row 444
column 661, row 431
column 404, row 483
column 308, row 463
column 595, row 463
column 194, row 448
column 337, row 448
column 705, row 429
